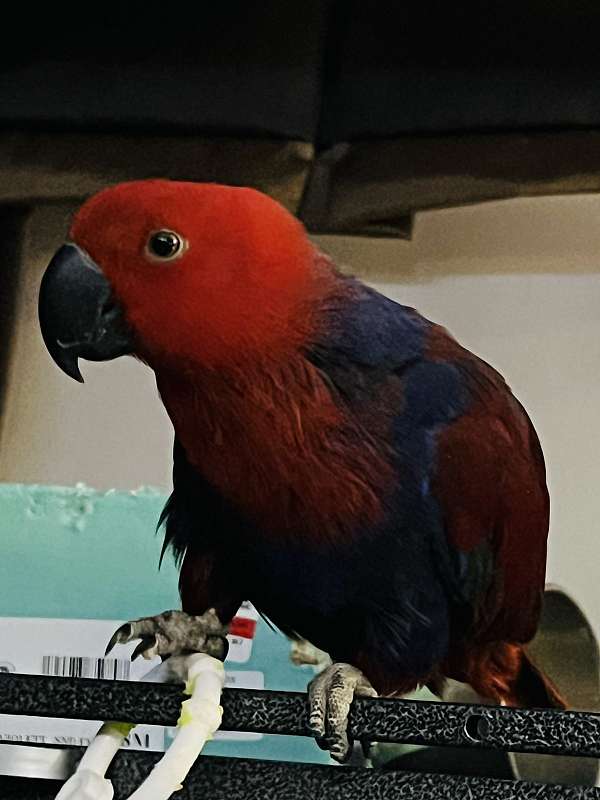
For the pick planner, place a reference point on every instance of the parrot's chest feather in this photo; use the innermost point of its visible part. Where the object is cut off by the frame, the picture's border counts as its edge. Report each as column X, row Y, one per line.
column 273, row 442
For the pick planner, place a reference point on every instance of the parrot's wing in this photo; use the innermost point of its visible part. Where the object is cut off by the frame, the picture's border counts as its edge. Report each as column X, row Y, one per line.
column 194, row 517
column 179, row 516
column 468, row 444
column 490, row 484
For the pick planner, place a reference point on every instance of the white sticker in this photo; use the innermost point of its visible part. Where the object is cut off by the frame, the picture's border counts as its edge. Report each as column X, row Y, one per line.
column 241, row 638
column 240, row 649
column 75, row 648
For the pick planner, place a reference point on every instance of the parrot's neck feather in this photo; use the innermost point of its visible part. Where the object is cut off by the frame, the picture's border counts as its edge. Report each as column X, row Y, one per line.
column 271, row 439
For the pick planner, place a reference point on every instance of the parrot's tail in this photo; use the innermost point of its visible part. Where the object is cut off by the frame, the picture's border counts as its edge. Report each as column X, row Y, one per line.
column 504, row 673
column 534, row 688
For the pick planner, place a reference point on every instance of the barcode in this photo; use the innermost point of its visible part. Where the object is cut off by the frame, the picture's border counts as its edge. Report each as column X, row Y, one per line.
column 86, row 667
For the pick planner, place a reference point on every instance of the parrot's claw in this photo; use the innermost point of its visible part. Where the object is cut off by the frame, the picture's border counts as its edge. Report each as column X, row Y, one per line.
column 173, row 633
column 330, row 696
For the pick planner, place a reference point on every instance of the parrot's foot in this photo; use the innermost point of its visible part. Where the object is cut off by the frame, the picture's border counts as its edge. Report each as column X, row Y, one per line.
column 303, row 653
column 330, row 695
column 174, row 633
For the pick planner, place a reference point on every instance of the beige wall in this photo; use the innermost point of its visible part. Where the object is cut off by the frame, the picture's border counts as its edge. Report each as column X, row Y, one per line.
column 112, row 432
column 517, row 281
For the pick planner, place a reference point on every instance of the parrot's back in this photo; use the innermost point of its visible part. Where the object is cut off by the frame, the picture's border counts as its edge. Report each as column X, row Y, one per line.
column 382, row 494
column 340, row 461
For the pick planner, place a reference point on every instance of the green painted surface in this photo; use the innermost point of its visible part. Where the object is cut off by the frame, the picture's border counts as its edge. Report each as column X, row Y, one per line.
column 82, row 554
column 76, row 552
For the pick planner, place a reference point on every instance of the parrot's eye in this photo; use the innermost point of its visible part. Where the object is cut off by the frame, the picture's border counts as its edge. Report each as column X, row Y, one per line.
column 165, row 245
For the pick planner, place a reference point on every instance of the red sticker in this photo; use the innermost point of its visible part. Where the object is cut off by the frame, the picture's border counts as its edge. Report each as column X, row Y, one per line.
column 241, row 626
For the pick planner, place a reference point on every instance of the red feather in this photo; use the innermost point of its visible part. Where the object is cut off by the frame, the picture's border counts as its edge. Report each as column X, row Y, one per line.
column 492, row 460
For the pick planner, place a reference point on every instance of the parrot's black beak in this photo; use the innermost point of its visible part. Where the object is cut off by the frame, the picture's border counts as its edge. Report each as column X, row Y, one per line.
column 78, row 316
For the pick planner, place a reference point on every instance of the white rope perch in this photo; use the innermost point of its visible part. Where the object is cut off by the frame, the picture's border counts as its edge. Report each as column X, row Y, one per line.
column 199, row 719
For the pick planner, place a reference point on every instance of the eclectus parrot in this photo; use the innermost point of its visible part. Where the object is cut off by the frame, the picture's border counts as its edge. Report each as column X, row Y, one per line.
column 340, row 461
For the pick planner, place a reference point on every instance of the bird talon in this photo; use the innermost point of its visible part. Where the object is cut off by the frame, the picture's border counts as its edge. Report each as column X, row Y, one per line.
column 146, row 648
column 173, row 633
column 330, row 696
column 120, row 636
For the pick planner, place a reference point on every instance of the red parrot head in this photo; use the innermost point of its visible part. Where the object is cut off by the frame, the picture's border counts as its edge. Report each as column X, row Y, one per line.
column 177, row 272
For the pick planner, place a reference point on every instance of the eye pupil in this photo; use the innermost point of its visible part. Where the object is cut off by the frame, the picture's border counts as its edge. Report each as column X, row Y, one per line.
column 164, row 244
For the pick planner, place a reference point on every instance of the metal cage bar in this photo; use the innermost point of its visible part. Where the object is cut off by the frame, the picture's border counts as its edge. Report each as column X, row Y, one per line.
column 567, row 733
column 417, row 722
column 249, row 779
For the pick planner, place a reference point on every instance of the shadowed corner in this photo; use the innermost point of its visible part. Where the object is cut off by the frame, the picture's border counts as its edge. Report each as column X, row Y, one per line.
column 566, row 648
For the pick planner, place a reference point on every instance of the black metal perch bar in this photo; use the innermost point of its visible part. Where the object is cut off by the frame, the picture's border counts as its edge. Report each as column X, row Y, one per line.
column 434, row 724
column 383, row 720
column 249, row 779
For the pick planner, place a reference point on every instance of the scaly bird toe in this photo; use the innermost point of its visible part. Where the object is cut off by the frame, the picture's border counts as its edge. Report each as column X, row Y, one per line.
column 330, row 696
column 174, row 633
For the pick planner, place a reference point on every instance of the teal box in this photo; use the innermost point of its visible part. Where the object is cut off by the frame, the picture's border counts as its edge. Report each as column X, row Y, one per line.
column 73, row 563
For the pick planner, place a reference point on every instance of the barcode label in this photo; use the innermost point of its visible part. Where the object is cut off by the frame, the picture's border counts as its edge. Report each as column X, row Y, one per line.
column 86, row 667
